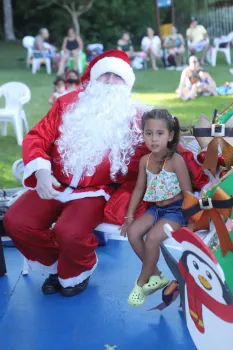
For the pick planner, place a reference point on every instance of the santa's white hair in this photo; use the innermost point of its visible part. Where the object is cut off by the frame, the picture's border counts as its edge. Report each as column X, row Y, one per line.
column 102, row 123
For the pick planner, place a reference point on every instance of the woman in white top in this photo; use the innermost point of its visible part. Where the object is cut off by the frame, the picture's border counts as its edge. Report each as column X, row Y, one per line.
column 151, row 44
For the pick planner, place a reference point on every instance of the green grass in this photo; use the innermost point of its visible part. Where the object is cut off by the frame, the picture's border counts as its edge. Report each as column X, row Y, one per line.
column 155, row 88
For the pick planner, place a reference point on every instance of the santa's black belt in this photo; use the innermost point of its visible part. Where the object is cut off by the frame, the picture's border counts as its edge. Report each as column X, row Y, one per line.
column 216, row 130
column 206, row 204
column 114, row 185
column 73, row 188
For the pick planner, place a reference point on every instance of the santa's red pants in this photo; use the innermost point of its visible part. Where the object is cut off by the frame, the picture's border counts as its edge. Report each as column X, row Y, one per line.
column 69, row 246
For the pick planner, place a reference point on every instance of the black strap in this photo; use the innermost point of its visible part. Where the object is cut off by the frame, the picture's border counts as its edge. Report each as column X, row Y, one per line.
column 208, row 203
column 207, row 132
column 73, row 188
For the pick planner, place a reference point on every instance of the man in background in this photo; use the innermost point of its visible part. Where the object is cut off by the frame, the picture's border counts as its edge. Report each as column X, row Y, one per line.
column 198, row 39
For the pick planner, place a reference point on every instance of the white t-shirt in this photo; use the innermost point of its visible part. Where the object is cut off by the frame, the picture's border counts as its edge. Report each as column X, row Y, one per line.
column 153, row 44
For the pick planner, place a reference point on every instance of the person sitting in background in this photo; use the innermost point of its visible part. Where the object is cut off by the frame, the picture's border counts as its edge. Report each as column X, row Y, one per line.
column 40, row 39
column 151, row 44
column 225, row 89
column 72, row 45
column 59, row 90
column 43, row 49
column 125, row 44
column 175, row 46
column 93, row 50
column 138, row 59
column 198, row 39
column 72, row 80
column 195, row 81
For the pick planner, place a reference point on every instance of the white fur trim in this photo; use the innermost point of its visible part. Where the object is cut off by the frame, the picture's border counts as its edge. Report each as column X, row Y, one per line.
column 68, row 282
column 113, row 65
column 73, row 281
column 33, row 166
column 187, row 246
column 36, row 265
column 69, row 195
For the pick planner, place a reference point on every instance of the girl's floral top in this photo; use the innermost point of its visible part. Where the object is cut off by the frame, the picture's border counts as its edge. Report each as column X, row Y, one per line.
column 161, row 186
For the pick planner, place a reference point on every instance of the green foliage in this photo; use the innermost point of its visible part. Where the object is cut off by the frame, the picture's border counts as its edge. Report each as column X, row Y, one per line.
column 104, row 22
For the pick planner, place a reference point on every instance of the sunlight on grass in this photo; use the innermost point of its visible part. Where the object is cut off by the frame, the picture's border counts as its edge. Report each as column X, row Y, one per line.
column 155, row 98
column 187, row 112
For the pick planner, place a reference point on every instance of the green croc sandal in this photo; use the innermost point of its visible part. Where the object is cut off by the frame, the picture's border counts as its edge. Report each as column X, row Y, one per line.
column 136, row 297
column 155, row 283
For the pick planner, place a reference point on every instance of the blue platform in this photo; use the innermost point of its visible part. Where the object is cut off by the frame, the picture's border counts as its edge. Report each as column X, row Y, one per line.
column 97, row 319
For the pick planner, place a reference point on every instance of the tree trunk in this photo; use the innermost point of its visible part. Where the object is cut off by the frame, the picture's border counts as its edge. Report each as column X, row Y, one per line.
column 8, row 20
column 193, row 7
column 76, row 22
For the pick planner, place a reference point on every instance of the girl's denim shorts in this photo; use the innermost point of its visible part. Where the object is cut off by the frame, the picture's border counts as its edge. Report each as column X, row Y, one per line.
column 172, row 212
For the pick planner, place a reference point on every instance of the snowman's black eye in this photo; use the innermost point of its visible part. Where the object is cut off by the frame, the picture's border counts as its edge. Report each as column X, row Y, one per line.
column 208, row 274
column 195, row 265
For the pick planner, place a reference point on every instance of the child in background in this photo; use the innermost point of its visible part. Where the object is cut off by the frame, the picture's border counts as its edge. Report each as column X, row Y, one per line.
column 162, row 179
column 206, row 85
column 72, row 81
column 59, row 90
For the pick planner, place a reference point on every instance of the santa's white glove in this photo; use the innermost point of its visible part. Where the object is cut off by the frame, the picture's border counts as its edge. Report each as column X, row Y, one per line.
column 45, row 184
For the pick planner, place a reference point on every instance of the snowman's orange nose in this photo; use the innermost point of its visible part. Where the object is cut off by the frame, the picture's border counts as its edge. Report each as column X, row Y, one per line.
column 204, row 282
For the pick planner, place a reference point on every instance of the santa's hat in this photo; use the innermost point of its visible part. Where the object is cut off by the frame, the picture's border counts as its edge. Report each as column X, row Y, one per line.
column 191, row 242
column 112, row 61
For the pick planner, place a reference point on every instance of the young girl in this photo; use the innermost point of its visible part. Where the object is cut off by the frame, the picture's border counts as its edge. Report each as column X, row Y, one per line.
column 162, row 179
column 59, row 90
column 72, row 81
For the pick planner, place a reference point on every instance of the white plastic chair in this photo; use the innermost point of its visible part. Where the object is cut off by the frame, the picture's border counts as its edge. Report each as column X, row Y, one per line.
column 213, row 50
column 28, row 43
column 37, row 61
column 16, row 95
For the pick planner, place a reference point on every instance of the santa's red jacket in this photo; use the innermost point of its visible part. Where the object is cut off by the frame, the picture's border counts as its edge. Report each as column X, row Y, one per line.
column 40, row 152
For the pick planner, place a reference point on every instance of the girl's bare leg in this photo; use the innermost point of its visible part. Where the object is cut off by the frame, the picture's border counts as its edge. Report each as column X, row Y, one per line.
column 153, row 61
column 75, row 54
column 137, row 231
column 190, row 94
column 180, row 57
column 152, row 249
column 62, row 63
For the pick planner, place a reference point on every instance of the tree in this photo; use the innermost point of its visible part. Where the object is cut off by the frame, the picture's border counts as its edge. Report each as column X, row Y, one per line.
column 107, row 20
column 75, row 8
column 8, row 20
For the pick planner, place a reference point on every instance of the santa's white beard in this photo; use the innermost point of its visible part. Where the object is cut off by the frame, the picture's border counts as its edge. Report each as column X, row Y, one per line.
column 102, row 123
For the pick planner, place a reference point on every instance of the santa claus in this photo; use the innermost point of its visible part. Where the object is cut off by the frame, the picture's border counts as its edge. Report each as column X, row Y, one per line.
column 73, row 157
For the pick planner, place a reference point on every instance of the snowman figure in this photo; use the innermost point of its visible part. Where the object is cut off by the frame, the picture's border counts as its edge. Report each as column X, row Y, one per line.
column 208, row 301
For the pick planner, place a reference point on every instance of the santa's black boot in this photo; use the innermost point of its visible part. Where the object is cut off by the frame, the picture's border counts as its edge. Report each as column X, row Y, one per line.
column 71, row 291
column 51, row 285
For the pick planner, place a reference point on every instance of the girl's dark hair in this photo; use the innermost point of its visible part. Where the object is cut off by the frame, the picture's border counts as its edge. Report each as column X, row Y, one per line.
column 57, row 80
column 72, row 71
column 172, row 123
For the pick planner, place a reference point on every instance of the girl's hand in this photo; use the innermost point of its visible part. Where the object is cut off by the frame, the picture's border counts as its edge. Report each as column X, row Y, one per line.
column 125, row 226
